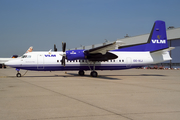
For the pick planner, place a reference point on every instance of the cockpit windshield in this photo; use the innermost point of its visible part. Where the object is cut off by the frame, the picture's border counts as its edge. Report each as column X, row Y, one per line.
column 26, row 56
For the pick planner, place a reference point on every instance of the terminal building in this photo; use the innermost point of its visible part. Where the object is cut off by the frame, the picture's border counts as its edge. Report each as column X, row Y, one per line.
column 173, row 36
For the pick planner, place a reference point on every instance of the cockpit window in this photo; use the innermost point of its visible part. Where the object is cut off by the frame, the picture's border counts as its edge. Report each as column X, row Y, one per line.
column 26, row 56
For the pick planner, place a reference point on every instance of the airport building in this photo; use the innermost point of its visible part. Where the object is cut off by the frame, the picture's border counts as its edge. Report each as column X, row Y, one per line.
column 173, row 36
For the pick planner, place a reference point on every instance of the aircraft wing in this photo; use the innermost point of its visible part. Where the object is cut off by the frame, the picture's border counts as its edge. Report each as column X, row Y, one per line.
column 101, row 53
column 105, row 48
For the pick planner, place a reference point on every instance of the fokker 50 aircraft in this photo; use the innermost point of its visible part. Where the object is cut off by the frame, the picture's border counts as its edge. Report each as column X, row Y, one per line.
column 156, row 50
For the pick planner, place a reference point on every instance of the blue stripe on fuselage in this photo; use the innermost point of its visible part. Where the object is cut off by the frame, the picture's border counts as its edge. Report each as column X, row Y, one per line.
column 75, row 67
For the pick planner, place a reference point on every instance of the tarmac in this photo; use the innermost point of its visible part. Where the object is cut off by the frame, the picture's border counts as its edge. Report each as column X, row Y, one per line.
column 133, row 94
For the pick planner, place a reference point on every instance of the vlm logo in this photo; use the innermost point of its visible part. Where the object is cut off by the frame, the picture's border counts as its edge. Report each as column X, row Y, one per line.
column 158, row 40
column 73, row 52
column 50, row 55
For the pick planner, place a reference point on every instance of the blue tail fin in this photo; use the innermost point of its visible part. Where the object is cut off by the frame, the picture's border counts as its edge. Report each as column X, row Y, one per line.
column 158, row 38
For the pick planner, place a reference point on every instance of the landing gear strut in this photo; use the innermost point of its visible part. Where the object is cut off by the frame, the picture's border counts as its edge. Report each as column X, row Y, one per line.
column 18, row 74
column 93, row 72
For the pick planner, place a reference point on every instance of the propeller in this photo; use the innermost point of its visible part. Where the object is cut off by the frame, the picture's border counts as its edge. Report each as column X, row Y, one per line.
column 55, row 49
column 64, row 54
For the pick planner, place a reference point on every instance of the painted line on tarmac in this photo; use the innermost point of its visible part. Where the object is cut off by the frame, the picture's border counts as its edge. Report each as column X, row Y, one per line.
column 7, row 77
column 3, row 76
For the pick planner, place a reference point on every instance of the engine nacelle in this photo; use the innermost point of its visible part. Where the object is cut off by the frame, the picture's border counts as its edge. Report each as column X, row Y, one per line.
column 75, row 54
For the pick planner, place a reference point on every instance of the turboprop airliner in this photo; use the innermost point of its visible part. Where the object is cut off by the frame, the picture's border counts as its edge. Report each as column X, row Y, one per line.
column 105, row 57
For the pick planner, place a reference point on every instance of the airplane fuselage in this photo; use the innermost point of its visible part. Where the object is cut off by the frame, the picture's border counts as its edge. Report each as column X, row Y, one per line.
column 45, row 61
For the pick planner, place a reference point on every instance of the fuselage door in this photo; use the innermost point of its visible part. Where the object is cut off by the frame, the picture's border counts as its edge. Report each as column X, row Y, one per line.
column 128, row 62
column 40, row 61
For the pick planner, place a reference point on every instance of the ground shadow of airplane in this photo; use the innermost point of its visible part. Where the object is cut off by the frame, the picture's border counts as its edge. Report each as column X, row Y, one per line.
column 107, row 77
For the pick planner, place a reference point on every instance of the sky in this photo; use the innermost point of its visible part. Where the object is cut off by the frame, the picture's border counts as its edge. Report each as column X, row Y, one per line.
column 43, row 23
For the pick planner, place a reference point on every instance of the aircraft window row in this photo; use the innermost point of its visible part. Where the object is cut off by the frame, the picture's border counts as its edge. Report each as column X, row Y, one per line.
column 121, row 60
column 26, row 56
column 88, row 61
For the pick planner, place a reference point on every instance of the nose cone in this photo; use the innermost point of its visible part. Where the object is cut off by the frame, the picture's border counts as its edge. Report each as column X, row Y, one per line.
column 8, row 63
column 12, row 63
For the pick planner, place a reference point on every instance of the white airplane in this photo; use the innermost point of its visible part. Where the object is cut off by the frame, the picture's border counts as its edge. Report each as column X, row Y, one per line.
column 3, row 60
column 156, row 50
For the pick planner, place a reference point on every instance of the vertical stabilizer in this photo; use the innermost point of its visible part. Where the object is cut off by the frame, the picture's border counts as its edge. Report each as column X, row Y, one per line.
column 157, row 38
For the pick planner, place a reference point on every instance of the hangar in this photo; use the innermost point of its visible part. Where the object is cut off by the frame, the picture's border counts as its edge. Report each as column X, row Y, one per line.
column 173, row 36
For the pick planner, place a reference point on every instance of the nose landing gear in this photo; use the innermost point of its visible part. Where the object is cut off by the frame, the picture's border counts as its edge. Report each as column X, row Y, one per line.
column 18, row 74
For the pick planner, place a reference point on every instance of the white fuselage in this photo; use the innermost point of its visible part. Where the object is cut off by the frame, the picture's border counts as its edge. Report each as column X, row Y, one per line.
column 51, row 61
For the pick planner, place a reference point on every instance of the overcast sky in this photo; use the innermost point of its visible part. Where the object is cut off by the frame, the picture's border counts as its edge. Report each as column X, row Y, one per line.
column 43, row 23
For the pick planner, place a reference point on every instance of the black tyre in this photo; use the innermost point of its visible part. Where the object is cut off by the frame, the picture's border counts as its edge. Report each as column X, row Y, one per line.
column 94, row 74
column 18, row 75
column 81, row 72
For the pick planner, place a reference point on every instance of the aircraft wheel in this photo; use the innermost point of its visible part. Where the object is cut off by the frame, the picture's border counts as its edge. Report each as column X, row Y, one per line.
column 18, row 75
column 94, row 74
column 81, row 72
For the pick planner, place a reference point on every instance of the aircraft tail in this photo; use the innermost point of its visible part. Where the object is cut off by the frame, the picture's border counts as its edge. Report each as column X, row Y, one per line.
column 158, row 38
column 29, row 50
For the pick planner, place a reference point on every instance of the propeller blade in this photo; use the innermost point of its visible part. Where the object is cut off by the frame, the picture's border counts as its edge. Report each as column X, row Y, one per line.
column 55, row 49
column 64, row 54
column 63, row 47
column 63, row 61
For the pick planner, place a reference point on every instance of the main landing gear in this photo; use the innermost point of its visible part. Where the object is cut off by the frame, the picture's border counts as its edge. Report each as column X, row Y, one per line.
column 18, row 74
column 81, row 72
column 93, row 72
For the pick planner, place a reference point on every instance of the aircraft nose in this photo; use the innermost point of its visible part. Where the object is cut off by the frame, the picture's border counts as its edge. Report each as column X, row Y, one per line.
column 7, row 63
column 11, row 63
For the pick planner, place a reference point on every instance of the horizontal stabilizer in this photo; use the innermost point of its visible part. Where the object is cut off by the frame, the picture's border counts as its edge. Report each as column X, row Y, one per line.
column 164, row 50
